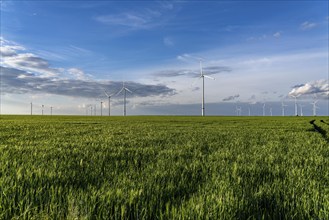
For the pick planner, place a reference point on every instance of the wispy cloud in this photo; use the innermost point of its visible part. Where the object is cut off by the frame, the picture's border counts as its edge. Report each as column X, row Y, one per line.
column 307, row 25
column 277, row 34
column 210, row 70
column 168, row 41
column 78, row 74
column 188, row 57
column 146, row 18
column 231, row 98
column 131, row 20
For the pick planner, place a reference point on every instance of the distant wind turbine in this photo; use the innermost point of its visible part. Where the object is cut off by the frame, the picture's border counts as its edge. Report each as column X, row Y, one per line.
column 42, row 108
column 271, row 113
column 282, row 106
column 51, row 110
column 31, row 108
column 124, row 89
column 238, row 110
column 101, row 108
column 314, row 107
column 264, row 105
column 109, row 97
column 301, row 109
column 296, row 110
column 203, row 76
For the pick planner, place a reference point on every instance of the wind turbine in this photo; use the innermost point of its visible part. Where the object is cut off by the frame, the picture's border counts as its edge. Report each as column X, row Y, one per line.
column 271, row 113
column 31, row 108
column 296, row 110
column 282, row 106
column 203, row 76
column 51, row 110
column 249, row 111
column 101, row 108
column 264, row 105
column 238, row 110
column 314, row 107
column 109, row 97
column 125, row 90
column 42, row 108
column 301, row 109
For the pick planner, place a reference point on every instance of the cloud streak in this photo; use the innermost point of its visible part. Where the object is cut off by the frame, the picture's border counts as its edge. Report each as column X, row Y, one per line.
column 147, row 18
column 211, row 70
column 231, row 98
column 307, row 25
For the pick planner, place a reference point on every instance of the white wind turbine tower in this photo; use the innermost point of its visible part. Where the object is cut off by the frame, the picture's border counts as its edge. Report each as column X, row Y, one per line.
column 264, row 105
column 109, row 97
column 282, row 106
column 101, row 108
column 301, row 109
column 271, row 113
column 296, row 108
column 124, row 89
column 314, row 107
column 237, row 110
column 203, row 76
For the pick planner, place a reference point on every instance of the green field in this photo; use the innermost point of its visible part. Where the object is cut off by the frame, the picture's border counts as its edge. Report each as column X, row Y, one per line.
column 61, row 167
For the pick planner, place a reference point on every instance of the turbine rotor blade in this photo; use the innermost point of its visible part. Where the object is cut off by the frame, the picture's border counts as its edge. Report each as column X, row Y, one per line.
column 128, row 90
column 119, row 91
column 209, row 77
column 106, row 93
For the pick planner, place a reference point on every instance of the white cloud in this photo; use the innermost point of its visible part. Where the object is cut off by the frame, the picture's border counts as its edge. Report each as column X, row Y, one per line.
column 277, row 34
column 30, row 63
column 126, row 19
column 307, row 25
column 9, row 48
column 78, row 74
column 319, row 88
column 188, row 57
column 168, row 41
column 140, row 19
column 27, row 73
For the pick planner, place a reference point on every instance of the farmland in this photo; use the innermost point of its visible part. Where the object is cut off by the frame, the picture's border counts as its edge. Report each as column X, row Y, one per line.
column 139, row 167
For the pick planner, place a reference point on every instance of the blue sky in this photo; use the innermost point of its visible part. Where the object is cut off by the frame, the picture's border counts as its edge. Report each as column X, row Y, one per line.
column 66, row 53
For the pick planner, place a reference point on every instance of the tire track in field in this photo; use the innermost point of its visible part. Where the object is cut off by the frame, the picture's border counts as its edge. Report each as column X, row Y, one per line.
column 320, row 130
column 324, row 122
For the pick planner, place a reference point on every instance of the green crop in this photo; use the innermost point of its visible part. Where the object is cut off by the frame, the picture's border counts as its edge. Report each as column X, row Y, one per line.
column 61, row 167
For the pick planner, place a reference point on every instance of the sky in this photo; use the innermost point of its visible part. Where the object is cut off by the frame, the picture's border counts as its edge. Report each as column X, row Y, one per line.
column 63, row 55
